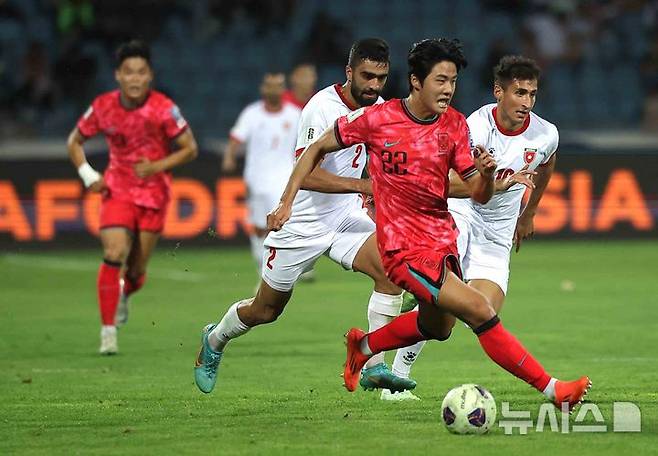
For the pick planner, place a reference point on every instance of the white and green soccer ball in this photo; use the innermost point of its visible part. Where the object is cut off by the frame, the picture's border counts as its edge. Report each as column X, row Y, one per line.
column 468, row 409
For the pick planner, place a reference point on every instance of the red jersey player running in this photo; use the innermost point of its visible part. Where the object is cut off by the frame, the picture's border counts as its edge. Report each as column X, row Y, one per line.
column 413, row 144
column 139, row 124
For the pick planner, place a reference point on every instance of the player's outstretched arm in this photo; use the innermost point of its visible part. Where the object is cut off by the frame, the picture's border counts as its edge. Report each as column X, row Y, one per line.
column 458, row 189
column 187, row 151
column 305, row 164
column 525, row 226
column 523, row 176
column 90, row 177
column 321, row 180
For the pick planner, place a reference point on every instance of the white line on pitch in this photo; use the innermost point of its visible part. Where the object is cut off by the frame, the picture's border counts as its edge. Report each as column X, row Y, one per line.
column 68, row 264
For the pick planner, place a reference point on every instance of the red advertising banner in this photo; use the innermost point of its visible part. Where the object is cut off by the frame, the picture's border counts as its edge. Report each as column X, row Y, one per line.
column 597, row 196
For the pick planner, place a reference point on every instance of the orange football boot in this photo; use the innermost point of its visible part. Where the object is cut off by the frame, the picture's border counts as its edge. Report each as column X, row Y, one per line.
column 571, row 392
column 355, row 358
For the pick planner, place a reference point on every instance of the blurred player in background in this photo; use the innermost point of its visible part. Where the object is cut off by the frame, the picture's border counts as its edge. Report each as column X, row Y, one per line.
column 268, row 129
column 524, row 146
column 412, row 144
column 328, row 219
column 303, row 79
column 139, row 125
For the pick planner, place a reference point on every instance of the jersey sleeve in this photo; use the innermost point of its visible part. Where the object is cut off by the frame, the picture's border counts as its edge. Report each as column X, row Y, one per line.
column 462, row 158
column 174, row 123
column 353, row 128
column 552, row 146
column 242, row 128
column 478, row 129
column 88, row 124
column 312, row 124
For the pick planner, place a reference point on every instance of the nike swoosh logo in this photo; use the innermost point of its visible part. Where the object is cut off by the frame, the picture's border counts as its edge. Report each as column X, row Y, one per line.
column 390, row 144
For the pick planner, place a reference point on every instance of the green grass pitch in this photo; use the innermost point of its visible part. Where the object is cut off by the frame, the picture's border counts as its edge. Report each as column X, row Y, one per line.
column 580, row 307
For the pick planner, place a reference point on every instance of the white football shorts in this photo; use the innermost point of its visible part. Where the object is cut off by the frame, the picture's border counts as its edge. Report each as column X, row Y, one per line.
column 484, row 254
column 286, row 255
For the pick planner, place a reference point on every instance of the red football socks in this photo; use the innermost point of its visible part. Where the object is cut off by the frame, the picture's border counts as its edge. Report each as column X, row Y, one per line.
column 108, row 290
column 131, row 285
column 504, row 349
column 402, row 331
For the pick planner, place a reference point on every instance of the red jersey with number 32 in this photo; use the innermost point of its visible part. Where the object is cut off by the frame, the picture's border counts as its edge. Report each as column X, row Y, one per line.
column 409, row 160
column 134, row 134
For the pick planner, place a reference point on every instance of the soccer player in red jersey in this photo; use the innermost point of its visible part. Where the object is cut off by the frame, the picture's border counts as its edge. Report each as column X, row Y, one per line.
column 413, row 143
column 139, row 124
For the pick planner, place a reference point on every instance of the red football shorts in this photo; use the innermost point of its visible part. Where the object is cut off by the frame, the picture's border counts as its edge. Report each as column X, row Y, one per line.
column 125, row 214
column 422, row 271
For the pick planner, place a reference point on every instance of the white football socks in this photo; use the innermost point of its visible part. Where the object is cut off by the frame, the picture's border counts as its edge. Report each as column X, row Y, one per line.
column 228, row 328
column 405, row 358
column 549, row 391
column 382, row 308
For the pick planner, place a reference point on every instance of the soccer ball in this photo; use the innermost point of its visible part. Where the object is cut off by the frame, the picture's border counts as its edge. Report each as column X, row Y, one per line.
column 468, row 409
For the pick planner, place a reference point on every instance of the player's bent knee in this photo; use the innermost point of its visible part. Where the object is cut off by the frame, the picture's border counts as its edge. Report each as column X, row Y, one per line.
column 440, row 333
column 269, row 314
column 115, row 255
column 445, row 336
column 382, row 282
column 481, row 311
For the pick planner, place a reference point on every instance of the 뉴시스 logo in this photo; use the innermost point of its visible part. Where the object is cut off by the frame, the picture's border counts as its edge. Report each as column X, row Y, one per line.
column 626, row 417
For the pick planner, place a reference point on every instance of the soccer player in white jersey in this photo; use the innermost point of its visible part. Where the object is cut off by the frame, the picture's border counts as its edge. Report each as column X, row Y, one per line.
column 523, row 145
column 328, row 218
column 268, row 129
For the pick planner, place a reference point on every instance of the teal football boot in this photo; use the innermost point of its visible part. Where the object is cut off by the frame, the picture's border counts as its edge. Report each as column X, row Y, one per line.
column 380, row 376
column 205, row 367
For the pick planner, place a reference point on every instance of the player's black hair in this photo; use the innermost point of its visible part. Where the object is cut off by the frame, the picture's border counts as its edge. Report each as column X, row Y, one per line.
column 133, row 48
column 512, row 67
column 301, row 63
column 274, row 70
column 427, row 53
column 374, row 49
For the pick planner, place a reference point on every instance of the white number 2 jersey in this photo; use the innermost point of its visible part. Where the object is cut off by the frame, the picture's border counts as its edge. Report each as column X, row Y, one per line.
column 315, row 213
column 532, row 145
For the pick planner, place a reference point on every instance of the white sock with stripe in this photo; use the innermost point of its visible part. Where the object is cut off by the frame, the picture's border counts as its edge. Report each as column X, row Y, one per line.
column 228, row 328
column 382, row 308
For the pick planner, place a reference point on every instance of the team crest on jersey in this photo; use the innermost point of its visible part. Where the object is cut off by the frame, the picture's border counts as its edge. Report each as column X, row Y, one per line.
column 443, row 143
column 352, row 116
column 529, row 155
column 177, row 116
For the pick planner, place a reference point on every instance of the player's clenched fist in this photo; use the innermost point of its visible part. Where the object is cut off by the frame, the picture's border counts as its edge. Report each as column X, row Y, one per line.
column 484, row 162
column 98, row 186
column 278, row 216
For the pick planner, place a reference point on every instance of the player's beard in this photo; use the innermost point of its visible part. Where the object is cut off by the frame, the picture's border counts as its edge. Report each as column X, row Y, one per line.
column 360, row 99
